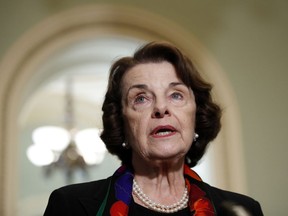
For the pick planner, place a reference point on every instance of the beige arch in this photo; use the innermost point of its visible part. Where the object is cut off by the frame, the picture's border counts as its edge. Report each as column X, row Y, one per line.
column 18, row 77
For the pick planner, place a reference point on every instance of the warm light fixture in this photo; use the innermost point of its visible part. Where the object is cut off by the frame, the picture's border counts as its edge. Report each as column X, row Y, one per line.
column 66, row 148
column 50, row 141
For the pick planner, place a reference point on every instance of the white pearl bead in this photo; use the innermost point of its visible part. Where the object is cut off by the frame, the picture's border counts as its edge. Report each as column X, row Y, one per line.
column 181, row 204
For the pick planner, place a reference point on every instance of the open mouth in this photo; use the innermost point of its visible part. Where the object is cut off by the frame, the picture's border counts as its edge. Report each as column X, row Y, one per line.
column 163, row 131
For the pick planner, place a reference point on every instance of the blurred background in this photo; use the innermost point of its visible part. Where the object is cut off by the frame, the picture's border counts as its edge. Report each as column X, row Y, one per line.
column 54, row 63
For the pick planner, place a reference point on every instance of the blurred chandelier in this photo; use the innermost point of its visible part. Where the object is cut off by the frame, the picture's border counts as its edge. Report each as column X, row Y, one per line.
column 66, row 148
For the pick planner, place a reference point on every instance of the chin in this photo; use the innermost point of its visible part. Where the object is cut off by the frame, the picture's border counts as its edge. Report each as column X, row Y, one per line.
column 168, row 157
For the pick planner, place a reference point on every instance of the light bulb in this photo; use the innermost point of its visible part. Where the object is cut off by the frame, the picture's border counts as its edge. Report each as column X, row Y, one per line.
column 39, row 155
column 55, row 138
column 90, row 145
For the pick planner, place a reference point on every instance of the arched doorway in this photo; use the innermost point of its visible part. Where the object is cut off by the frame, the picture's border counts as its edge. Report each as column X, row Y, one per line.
column 20, row 77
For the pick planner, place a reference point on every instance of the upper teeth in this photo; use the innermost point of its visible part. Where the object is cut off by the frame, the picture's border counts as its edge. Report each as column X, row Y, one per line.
column 164, row 133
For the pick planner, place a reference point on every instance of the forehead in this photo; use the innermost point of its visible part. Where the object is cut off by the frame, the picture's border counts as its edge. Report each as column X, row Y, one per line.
column 149, row 73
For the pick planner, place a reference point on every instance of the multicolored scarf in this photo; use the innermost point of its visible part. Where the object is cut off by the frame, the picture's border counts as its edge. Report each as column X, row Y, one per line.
column 119, row 194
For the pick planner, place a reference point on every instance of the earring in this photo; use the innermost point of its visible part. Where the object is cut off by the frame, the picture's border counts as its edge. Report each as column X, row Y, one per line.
column 125, row 145
column 196, row 136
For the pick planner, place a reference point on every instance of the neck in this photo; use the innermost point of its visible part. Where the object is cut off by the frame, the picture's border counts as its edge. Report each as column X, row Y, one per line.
column 157, row 167
column 162, row 182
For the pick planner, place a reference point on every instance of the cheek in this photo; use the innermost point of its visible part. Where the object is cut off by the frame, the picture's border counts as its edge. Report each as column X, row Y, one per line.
column 189, row 120
column 190, row 113
column 135, row 125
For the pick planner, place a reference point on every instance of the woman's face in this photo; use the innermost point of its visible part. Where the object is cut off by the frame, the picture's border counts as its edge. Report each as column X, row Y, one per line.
column 159, row 112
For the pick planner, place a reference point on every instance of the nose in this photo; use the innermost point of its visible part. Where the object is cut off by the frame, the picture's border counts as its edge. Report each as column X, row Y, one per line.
column 160, row 110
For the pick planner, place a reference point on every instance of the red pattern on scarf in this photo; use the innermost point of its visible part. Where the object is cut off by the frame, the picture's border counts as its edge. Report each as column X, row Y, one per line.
column 199, row 203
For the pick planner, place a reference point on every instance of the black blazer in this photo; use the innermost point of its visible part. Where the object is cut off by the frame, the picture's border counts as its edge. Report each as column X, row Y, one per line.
column 84, row 199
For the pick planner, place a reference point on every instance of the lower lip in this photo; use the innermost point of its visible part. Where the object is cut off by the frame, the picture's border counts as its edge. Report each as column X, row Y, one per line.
column 163, row 135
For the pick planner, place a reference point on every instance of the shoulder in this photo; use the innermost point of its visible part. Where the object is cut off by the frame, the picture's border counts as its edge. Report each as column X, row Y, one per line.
column 84, row 189
column 226, row 201
column 76, row 199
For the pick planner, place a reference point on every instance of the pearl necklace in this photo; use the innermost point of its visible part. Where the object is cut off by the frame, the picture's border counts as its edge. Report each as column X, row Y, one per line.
column 181, row 204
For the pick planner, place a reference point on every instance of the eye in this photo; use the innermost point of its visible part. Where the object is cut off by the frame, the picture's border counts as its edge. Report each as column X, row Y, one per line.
column 140, row 99
column 176, row 96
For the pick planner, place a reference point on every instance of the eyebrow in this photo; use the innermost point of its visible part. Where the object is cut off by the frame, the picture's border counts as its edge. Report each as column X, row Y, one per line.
column 137, row 86
column 145, row 87
column 176, row 84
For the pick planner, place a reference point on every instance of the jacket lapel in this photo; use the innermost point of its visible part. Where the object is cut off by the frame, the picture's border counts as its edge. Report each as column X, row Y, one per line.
column 92, row 203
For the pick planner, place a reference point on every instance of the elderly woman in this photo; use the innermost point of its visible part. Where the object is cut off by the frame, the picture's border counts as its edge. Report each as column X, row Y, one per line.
column 158, row 118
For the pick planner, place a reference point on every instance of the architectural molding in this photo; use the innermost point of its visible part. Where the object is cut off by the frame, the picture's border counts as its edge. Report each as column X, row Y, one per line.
column 19, row 67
